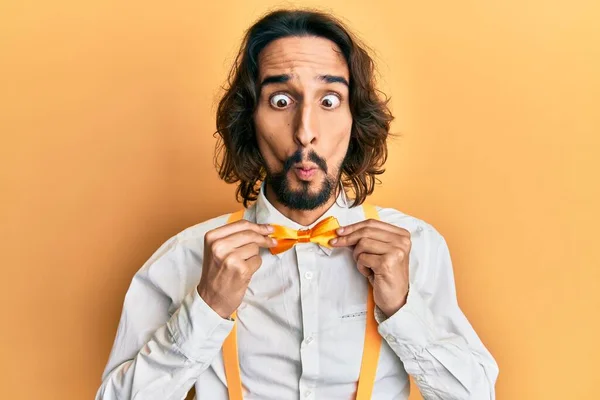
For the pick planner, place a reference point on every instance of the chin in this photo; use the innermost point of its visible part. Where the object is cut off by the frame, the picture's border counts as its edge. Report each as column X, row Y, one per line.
column 302, row 194
column 312, row 186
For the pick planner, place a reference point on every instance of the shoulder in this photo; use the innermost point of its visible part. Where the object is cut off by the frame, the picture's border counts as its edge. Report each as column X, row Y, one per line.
column 428, row 245
column 415, row 225
column 426, row 240
column 194, row 233
column 175, row 267
column 191, row 239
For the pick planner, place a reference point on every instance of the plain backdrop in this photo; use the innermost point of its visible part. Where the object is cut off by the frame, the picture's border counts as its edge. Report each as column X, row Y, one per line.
column 107, row 119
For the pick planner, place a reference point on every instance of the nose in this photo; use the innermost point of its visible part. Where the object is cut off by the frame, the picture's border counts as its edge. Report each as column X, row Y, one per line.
column 306, row 126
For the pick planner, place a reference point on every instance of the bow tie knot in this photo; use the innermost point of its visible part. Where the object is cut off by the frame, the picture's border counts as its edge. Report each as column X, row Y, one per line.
column 321, row 234
column 304, row 236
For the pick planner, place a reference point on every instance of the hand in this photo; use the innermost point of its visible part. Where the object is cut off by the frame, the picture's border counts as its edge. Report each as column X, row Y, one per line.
column 231, row 257
column 381, row 252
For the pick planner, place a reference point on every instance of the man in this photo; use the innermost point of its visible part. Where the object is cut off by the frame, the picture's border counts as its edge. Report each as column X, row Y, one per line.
column 300, row 122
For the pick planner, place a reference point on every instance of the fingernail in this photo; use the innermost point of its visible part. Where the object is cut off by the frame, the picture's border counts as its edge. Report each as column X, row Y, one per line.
column 270, row 228
column 333, row 241
column 273, row 242
column 340, row 230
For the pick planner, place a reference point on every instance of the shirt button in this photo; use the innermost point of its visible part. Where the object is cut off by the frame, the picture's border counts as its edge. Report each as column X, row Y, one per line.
column 308, row 275
column 390, row 339
column 307, row 393
column 308, row 340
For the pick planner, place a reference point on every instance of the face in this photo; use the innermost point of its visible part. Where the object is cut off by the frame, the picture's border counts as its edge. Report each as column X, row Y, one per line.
column 303, row 120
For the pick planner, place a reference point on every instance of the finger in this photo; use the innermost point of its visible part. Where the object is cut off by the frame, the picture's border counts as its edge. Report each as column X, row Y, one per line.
column 372, row 223
column 222, row 248
column 369, row 260
column 371, row 246
column 364, row 267
column 366, row 262
column 254, row 264
column 365, row 232
column 246, row 268
column 243, row 238
column 242, row 225
column 364, row 270
column 247, row 251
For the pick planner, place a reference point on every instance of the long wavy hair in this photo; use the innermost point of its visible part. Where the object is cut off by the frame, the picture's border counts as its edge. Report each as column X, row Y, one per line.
column 237, row 155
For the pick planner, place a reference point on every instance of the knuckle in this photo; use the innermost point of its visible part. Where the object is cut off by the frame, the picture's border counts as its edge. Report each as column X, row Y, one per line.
column 250, row 266
column 231, row 262
column 358, row 248
column 228, row 262
column 209, row 236
column 217, row 249
column 389, row 260
column 396, row 257
column 256, row 239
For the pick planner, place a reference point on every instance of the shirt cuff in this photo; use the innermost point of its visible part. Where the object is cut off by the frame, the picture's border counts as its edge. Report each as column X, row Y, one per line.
column 197, row 329
column 411, row 327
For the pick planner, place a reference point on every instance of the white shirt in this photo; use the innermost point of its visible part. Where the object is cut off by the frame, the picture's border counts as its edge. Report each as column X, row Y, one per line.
column 301, row 324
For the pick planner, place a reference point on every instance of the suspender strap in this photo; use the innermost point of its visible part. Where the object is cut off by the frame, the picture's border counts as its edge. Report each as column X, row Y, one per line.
column 372, row 345
column 230, row 351
column 371, row 349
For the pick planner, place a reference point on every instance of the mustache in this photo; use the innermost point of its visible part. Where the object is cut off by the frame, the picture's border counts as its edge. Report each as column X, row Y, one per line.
column 311, row 156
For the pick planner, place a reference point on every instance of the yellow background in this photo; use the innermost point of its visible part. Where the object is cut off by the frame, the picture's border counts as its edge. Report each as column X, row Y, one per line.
column 107, row 114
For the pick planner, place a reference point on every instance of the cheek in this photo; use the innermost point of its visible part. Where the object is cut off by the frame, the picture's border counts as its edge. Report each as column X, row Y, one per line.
column 272, row 133
column 337, row 137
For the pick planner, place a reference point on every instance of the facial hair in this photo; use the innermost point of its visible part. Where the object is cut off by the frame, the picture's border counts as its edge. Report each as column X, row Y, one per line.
column 301, row 199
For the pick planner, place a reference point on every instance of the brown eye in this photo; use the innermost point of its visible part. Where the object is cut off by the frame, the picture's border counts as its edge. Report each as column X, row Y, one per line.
column 280, row 101
column 330, row 101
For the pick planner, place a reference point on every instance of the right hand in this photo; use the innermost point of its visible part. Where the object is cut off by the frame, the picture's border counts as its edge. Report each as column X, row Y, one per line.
column 231, row 257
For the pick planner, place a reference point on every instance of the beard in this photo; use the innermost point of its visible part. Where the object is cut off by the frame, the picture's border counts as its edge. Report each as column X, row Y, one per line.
column 302, row 198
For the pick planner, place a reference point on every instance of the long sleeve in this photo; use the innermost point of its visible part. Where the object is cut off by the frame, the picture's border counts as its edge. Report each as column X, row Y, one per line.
column 162, row 345
column 434, row 339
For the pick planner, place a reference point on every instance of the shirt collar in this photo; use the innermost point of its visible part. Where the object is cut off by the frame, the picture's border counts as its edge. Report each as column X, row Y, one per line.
column 266, row 213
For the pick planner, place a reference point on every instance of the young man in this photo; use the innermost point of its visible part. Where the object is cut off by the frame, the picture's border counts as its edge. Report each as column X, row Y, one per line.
column 307, row 294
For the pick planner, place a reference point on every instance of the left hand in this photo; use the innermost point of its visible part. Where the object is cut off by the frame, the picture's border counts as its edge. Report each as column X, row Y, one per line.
column 381, row 252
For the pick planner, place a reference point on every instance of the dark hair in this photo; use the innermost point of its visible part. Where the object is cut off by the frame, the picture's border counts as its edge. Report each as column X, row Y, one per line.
column 237, row 146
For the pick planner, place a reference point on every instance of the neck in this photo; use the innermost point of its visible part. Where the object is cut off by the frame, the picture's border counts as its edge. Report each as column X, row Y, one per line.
column 302, row 217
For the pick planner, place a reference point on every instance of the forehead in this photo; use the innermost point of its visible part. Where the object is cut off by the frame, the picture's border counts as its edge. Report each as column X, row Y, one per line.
column 302, row 55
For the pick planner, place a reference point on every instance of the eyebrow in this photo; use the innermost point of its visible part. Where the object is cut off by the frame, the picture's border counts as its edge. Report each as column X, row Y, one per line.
column 283, row 78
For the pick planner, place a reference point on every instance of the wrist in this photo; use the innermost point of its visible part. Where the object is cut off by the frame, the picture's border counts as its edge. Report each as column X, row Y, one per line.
column 393, row 309
column 214, row 303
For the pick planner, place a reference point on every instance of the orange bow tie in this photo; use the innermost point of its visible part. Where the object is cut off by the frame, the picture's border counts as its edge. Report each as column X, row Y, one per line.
column 321, row 233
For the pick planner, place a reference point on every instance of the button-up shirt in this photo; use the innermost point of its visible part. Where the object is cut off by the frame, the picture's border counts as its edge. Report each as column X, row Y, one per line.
column 301, row 323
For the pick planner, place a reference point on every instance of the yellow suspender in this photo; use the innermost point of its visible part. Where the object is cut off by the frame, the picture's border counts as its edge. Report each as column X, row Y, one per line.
column 371, row 347
column 230, row 351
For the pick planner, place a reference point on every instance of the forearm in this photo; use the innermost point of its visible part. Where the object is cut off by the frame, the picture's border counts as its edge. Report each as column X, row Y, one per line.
column 442, row 363
column 168, row 364
column 159, row 371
